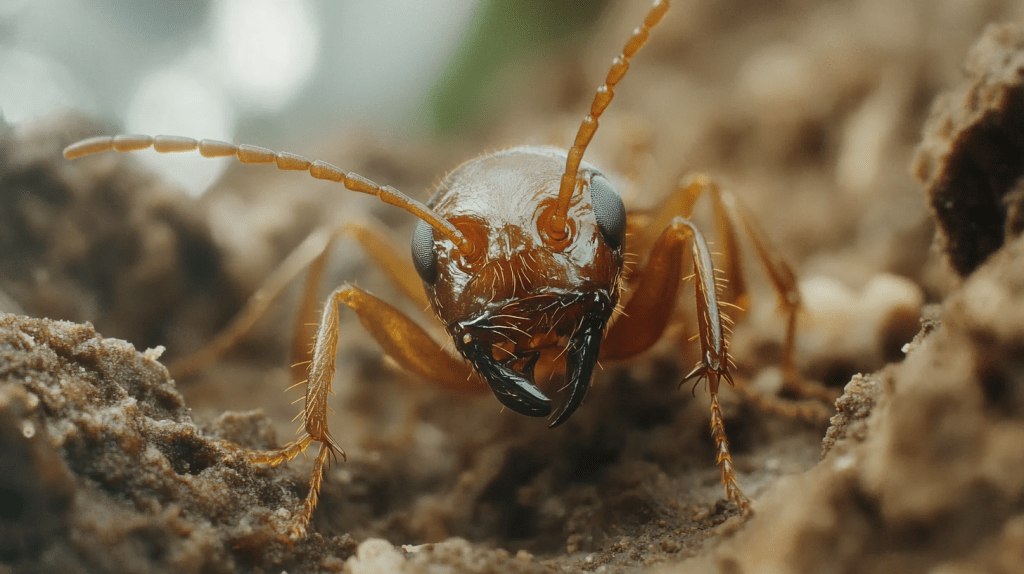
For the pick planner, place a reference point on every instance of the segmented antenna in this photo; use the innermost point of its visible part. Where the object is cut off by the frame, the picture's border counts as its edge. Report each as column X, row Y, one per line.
column 602, row 98
column 286, row 161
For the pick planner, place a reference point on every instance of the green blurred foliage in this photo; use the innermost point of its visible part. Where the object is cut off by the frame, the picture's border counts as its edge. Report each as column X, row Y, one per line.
column 500, row 32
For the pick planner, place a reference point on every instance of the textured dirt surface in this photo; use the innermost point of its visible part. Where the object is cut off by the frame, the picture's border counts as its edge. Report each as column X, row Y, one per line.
column 107, row 472
column 811, row 115
column 970, row 159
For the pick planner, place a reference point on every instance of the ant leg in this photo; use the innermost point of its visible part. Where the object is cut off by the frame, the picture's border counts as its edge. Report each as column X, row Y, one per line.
column 401, row 338
column 789, row 300
column 255, row 307
column 681, row 202
column 312, row 254
column 374, row 241
column 646, row 315
column 729, row 212
column 652, row 298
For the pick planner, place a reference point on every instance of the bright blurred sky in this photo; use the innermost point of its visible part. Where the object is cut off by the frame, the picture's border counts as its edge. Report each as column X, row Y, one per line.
column 206, row 69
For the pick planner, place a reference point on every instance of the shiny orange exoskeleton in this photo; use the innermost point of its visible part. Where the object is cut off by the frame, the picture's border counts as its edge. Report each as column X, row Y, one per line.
column 520, row 254
column 522, row 293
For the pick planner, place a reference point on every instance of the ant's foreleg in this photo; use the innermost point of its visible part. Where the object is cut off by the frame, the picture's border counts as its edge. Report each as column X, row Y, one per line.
column 722, row 456
column 407, row 343
column 386, row 257
column 401, row 338
column 395, row 263
column 729, row 212
column 652, row 299
column 647, row 313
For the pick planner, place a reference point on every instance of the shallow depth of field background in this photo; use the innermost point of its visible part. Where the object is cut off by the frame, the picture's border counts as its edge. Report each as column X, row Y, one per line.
column 268, row 70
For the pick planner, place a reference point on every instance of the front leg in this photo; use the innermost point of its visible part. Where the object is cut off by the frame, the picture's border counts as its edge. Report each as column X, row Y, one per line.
column 733, row 220
column 401, row 338
column 646, row 315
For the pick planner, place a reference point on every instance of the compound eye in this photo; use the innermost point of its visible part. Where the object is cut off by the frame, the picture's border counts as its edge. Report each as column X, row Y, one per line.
column 423, row 256
column 609, row 211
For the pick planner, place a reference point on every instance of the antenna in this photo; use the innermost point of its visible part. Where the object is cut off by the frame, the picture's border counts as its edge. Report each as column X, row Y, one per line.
column 286, row 161
column 556, row 225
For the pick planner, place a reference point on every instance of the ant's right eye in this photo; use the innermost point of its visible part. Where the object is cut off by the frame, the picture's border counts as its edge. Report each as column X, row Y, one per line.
column 423, row 256
column 609, row 211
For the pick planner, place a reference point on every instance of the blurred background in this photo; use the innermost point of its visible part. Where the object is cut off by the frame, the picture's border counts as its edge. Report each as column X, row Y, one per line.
column 272, row 72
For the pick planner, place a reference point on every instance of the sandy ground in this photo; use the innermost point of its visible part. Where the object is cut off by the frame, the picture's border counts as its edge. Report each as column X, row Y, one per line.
column 820, row 118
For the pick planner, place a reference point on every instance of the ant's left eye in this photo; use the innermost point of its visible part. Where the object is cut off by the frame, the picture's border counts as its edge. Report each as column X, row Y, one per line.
column 424, row 259
column 609, row 211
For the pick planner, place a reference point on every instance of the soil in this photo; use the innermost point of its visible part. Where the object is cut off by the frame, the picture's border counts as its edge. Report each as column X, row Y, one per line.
column 812, row 115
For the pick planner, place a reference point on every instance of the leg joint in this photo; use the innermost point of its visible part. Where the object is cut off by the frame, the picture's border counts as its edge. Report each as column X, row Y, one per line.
column 682, row 225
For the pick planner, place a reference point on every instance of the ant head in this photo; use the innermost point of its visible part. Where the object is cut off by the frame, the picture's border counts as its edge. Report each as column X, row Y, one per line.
column 521, row 292
column 503, row 205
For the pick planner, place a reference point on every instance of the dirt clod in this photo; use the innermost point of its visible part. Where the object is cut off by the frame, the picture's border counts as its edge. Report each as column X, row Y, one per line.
column 107, row 471
column 972, row 156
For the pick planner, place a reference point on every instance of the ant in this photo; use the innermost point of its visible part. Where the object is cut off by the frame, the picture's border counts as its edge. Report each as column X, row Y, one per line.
column 520, row 254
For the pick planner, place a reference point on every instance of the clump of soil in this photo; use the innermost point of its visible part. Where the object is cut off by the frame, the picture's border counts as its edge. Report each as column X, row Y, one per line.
column 106, row 471
column 972, row 156
column 105, row 243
